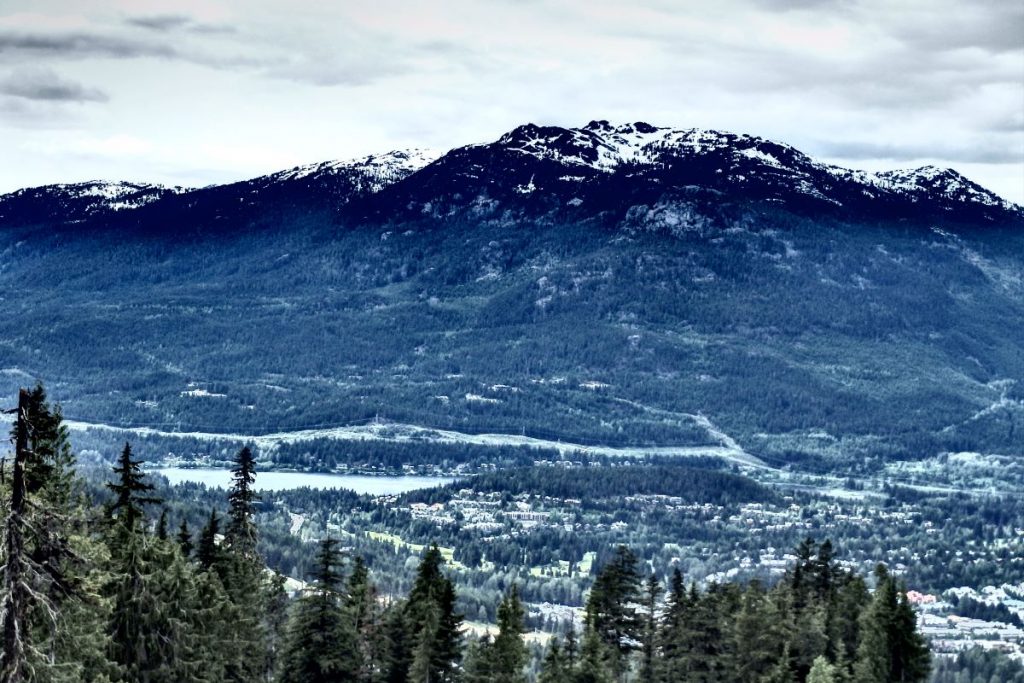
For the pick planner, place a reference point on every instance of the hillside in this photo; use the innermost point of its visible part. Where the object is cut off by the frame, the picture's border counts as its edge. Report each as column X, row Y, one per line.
column 607, row 285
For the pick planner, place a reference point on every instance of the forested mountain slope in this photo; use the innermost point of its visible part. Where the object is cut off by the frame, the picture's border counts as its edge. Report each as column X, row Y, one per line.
column 623, row 285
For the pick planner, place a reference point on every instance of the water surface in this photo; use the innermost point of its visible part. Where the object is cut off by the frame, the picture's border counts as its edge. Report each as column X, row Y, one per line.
column 278, row 481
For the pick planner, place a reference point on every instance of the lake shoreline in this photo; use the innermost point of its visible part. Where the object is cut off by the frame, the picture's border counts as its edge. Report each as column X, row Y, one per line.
column 280, row 480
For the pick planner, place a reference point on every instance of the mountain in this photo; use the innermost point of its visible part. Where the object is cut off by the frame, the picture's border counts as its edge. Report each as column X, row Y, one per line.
column 75, row 202
column 607, row 170
column 622, row 285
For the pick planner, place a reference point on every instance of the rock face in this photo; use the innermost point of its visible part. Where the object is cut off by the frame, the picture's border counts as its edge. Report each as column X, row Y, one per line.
column 608, row 285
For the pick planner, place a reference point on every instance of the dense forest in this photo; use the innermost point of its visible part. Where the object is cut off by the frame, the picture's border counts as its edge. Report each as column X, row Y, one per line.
column 109, row 590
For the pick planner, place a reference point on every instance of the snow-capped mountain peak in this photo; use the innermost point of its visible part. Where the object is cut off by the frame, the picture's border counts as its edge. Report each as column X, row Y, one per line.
column 371, row 173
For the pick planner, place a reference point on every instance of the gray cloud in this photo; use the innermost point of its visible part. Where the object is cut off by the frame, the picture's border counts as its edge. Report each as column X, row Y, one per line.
column 860, row 151
column 165, row 23
column 160, row 22
column 80, row 45
column 45, row 85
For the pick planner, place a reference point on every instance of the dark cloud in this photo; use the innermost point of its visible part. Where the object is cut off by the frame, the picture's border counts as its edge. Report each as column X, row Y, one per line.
column 164, row 23
column 45, row 85
column 160, row 22
column 79, row 45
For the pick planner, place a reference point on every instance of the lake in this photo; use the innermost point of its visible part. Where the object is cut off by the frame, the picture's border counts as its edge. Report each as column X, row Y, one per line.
column 278, row 481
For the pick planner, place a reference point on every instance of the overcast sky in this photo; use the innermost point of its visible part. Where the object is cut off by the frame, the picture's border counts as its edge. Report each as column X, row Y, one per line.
column 194, row 92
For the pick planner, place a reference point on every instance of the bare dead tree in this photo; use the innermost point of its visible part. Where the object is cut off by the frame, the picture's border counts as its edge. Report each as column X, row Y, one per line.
column 14, row 601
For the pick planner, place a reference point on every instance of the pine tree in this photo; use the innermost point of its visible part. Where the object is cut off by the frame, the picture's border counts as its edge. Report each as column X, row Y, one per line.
column 672, row 632
column 17, row 592
column 242, row 572
column 821, row 672
column 611, row 608
column 596, row 660
column 62, row 627
column 241, row 534
column 649, row 646
column 208, row 551
column 320, row 645
column 556, row 667
column 759, row 633
column 129, row 492
column 161, row 526
column 437, row 639
column 184, row 539
column 398, row 632
column 890, row 648
column 479, row 661
column 275, row 618
column 363, row 609
column 509, row 650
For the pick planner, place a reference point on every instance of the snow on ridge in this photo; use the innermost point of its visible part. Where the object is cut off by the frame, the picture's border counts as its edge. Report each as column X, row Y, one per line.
column 604, row 147
column 377, row 170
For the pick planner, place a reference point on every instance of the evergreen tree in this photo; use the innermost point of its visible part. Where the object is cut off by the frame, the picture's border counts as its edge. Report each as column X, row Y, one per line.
column 130, row 492
column 611, row 608
column 649, row 647
column 275, row 618
column 363, row 608
column 891, row 650
column 208, row 552
column 320, row 645
column 509, row 650
column 398, row 632
column 17, row 592
column 161, row 526
column 430, row 611
column 673, row 633
column 821, row 672
column 242, row 572
column 241, row 535
column 596, row 659
column 759, row 633
column 556, row 667
column 184, row 539
column 479, row 661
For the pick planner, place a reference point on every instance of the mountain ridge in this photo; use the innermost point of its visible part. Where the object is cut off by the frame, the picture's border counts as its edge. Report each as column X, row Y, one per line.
column 637, row 161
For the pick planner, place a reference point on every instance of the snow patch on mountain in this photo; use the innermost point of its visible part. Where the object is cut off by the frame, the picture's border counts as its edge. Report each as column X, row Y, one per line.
column 371, row 173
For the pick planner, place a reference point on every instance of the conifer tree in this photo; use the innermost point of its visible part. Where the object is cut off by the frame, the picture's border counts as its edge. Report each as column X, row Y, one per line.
column 821, row 672
column 242, row 573
column 437, row 639
column 596, row 660
column 161, row 526
column 649, row 645
column 479, row 661
column 208, row 551
column 17, row 592
column 241, row 535
column 509, row 650
column 320, row 643
column 275, row 619
column 611, row 608
column 556, row 667
column 363, row 608
column 130, row 492
column 890, row 648
column 184, row 539
column 672, row 635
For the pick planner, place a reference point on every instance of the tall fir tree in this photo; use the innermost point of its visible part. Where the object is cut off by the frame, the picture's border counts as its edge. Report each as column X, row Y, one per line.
column 649, row 643
column 509, row 650
column 436, row 643
column 320, row 644
column 611, row 608
column 130, row 492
